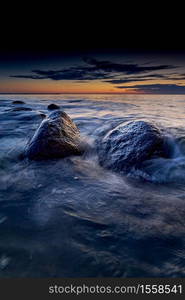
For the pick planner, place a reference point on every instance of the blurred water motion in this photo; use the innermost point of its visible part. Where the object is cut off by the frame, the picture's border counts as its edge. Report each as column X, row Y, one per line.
column 72, row 218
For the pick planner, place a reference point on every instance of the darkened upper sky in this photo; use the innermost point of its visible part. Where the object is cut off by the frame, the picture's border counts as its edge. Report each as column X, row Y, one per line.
column 58, row 51
column 121, row 71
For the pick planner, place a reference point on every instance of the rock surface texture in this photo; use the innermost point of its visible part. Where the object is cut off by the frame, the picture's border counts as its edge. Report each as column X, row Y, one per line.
column 129, row 144
column 57, row 136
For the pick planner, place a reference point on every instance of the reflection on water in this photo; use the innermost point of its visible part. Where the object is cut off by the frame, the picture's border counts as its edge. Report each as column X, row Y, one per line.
column 70, row 217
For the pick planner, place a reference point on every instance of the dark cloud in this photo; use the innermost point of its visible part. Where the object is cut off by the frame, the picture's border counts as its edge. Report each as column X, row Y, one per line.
column 121, row 81
column 147, row 77
column 28, row 76
column 73, row 73
column 123, row 68
column 136, row 78
column 156, row 88
column 94, row 69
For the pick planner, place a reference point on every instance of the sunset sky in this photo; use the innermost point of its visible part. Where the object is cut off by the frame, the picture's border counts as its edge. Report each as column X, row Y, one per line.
column 116, row 72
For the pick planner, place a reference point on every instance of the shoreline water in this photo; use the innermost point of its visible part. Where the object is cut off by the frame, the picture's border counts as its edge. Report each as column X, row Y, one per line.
column 97, row 222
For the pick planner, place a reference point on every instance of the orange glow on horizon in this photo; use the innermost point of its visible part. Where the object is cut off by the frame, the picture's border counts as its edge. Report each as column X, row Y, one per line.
column 15, row 85
column 52, row 87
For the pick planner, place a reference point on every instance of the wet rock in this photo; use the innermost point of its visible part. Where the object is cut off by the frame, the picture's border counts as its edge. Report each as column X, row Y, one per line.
column 32, row 116
column 43, row 116
column 24, row 115
column 57, row 136
column 129, row 144
column 21, row 109
column 18, row 102
column 53, row 106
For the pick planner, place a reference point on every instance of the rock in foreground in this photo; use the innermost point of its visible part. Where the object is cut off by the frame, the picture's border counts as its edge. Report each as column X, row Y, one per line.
column 129, row 144
column 57, row 136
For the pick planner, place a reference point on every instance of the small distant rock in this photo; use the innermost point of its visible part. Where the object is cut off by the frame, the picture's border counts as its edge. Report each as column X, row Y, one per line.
column 43, row 116
column 18, row 102
column 21, row 108
column 53, row 106
column 30, row 116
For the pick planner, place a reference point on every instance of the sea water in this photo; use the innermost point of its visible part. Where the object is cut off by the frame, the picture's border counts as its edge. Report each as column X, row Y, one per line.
column 71, row 217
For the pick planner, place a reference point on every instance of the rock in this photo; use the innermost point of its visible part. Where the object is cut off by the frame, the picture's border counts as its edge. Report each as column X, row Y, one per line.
column 129, row 144
column 32, row 116
column 21, row 108
column 43, row 116
column 18, row 102
column 53, row 106
column 57, row 136
column 25, row 114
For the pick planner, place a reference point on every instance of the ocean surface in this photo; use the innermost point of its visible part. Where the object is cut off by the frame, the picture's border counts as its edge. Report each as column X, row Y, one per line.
column 72, row 218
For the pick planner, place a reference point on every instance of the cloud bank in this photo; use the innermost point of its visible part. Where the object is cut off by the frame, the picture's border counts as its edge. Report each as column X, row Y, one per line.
column 116, row 74
column 156, row 88
column 92, row 70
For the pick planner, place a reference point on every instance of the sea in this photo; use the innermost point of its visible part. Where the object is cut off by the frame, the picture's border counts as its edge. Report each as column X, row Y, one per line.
column 73, row 218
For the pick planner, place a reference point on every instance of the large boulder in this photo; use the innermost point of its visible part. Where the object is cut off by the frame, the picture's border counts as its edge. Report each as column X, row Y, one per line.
column 129, row 144
column 57, row 136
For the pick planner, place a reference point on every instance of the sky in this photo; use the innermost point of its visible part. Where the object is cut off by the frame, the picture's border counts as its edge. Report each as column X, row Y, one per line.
column 93, row 72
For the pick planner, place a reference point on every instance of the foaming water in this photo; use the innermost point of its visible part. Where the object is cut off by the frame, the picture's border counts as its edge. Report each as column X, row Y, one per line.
column 164, row 170
column 70, row 217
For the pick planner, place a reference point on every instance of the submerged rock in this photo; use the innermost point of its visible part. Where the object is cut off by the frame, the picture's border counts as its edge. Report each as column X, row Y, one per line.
column 43, row 116
column 31, row 116
column 18, row 102
column 24, row 114
column 57, row 136
column 53, row 106
column 21, row 109
column 129, row 144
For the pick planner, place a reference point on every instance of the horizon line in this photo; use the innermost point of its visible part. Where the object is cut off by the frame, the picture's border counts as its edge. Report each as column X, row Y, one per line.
column 66, row 93
column 89, row 93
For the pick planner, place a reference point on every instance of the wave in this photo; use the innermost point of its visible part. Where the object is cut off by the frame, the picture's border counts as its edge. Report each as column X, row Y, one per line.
column 164, row 170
